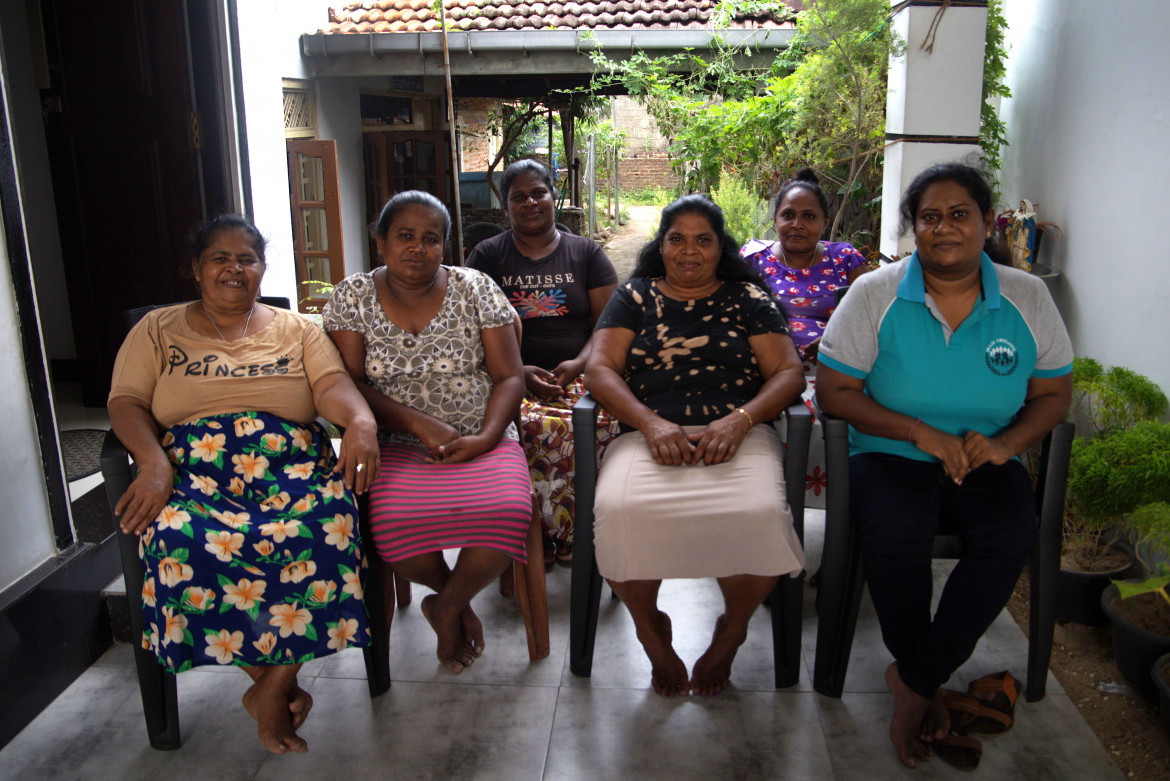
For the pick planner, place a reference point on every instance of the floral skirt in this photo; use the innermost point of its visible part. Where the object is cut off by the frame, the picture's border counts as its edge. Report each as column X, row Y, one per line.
column 547, row 436
column 256, row 560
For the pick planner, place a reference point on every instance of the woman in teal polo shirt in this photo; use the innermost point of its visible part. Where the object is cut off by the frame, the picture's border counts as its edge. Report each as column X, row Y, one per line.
column 947, row 366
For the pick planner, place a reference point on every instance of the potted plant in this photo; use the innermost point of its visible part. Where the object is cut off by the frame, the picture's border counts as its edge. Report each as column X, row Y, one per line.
column 1161, row 676
column 1103, row 485
column 1140, row 609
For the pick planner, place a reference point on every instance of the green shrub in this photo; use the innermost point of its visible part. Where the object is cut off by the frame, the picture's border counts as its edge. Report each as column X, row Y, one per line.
column 1114, row 399
column 1114, row 473
column 651, row 195
column 745, row 214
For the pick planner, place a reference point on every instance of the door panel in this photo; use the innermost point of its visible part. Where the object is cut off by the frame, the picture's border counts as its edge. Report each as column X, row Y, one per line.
column 124, row 171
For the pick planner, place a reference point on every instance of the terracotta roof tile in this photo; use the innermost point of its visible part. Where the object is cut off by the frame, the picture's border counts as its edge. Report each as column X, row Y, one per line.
column 416, row 15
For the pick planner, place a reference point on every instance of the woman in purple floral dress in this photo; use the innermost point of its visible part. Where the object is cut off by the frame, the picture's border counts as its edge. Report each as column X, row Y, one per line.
column 801, row 270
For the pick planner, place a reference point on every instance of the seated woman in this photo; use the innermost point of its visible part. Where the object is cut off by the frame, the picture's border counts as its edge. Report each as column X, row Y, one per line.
column 433, row 350
column 558, row 283
column 692, row 356
column 246, row 518
column 946, row 367
column 801, row 270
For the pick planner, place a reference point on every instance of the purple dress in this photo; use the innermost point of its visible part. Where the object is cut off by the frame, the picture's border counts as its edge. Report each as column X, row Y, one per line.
column 805, row 294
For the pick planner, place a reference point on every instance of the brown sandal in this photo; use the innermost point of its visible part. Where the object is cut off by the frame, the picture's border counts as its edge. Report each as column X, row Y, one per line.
column 998, row 691
column 959, row 751
column 971, row 717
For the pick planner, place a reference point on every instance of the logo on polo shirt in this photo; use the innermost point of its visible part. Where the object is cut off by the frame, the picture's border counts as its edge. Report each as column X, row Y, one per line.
column 1002, row 357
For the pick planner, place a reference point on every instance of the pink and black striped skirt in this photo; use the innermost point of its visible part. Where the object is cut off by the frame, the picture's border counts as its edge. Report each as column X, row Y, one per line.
column 418, row 508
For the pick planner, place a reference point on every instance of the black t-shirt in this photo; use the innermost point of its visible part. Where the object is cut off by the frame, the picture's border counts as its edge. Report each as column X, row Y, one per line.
column 551, row 294
column 690, row 361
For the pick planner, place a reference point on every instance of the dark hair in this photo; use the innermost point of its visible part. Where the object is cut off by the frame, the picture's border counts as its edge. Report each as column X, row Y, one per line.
column 807, row 179
column 967, row 177
column 400, row 201
column 731, row 268
column 525, row 166
column 970, row 179
column 199, row 236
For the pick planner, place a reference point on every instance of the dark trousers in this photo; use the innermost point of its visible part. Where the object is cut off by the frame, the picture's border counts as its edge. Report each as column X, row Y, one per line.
column 898, row 504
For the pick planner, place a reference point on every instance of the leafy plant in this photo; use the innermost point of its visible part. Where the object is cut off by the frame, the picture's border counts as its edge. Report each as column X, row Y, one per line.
column 1114, row 399
column 992, row 130
column 1151, row 523
column 820, row 103
column 744, row 214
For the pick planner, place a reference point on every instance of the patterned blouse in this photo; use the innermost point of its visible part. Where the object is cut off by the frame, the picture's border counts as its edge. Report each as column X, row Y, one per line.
column 805, row 294
column 690, row 361
column 441, row 371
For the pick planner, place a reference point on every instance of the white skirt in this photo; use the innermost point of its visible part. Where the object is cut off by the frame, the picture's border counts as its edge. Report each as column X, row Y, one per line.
column 654, row 522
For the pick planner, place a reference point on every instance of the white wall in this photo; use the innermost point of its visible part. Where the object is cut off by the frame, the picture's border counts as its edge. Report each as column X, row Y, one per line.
column 26, row 537
column 1089, row 125
column 270, row 33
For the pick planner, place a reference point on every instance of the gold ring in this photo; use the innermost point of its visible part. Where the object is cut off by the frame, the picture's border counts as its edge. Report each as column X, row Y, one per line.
column 359, row 467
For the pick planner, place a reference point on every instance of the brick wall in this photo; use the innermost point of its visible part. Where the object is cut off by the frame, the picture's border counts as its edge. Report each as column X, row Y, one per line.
column 635, row 173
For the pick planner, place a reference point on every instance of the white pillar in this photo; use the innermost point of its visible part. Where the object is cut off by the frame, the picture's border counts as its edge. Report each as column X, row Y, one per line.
column 933, row 100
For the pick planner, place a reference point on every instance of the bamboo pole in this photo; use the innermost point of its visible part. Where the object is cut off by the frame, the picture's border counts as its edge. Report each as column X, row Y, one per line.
column 458, row 210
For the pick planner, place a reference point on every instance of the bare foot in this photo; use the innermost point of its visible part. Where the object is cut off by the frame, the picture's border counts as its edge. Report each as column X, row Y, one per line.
column 300, row 702
column 905, row 725
column 452, row 650
column 668, row 674
column 936, row 724
column 271, row 707
column 712, row 671
column 472, row 630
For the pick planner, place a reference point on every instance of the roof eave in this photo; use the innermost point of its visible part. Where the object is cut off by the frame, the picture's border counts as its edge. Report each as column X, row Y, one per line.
column 331, row 45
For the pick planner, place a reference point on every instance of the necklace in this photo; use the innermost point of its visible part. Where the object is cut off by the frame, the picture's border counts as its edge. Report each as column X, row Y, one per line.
column 222, row 338
column 784, row 257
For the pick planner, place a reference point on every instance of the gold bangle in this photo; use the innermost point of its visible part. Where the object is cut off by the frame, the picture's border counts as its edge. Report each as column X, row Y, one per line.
column 746, row 414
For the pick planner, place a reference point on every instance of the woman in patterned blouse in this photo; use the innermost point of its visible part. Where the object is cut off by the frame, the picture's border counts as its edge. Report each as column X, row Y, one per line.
column 801, row 270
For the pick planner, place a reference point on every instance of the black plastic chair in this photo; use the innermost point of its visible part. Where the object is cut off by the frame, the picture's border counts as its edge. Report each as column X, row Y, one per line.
column 839, row 595
column 585, row 589
column 160, row 701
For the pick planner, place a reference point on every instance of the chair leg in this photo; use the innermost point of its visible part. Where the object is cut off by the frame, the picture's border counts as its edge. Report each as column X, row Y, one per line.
column 787, row 608
column 838, row 602
column 531, row 592
column 379, row 596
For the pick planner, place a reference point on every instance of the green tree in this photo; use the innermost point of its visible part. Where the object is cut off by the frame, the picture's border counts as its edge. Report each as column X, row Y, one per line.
column 821, row 103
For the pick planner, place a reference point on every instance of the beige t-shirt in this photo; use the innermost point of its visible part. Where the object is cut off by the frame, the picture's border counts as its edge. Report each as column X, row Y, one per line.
column 184, row 375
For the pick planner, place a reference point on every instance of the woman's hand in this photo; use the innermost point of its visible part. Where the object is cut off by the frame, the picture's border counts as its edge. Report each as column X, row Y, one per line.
column 567, row 371
column 810, row 350
column 146, row 496
column 358, row 458
column 668, row 442
column 947, row 448
column 981, row 450
column 434, row 433
column 721, row 439
column 462, row 449
column 542, row 383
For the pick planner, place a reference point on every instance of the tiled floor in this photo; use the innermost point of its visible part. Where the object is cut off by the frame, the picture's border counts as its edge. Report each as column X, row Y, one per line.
column 504, row 718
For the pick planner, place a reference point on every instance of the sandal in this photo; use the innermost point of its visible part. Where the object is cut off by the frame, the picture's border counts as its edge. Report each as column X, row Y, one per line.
column 998, row 692
column 971, row 717
column 550, row 551
column 959, row 751
column 564, row 552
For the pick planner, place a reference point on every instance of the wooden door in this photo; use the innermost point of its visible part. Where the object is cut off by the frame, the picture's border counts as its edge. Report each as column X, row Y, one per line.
column 316, row 217
column 123, row 164
column 397, row 161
